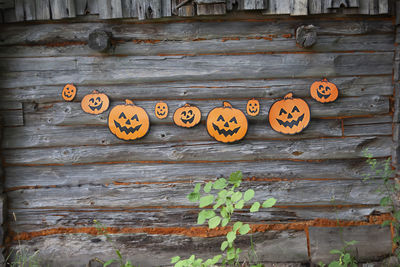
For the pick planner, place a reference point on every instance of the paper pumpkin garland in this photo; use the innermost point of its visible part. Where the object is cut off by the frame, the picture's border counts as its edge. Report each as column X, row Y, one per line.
column 289, row 115
column 324, row 91
column 187, row 116
column 227, row 124
column 69, row 92
column 95, row 103
column 253, row 107
column 128, row 121
column 161, row 110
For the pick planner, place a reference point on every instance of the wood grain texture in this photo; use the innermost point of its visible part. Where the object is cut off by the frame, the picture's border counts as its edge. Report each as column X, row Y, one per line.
column 43, row 9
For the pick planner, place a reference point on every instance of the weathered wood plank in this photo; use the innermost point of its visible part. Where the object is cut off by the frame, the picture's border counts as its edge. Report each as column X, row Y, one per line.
column 315, row 6
column 116, row 9
column 236, row 89
column 62, row 9
column 12, row 117
column 218, row 46
column 19, row 10
column 81, row 7
column 363, row 250
column 5, row 4
column 372, row 120
column 9, row 16
column 166, row 6
column 108, row 70
column 71, row 114
column 313, row 149
column 149, row 9
column 10, row 105
column 344, row 192
column 213, row 9
column 383, row 6
column 104, row 7
column 93, row 6
column 42, row 33
column 140, row 248
column 42, row 9
column 131, row 173
column 30, row 9
column 38, row 136
column 368, row 129
column 299, row 7
column 254, row 4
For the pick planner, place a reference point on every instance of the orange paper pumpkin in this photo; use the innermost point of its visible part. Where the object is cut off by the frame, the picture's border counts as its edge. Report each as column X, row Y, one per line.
column 324, row 91
column 128, row 122
column 227, row 124
column 290, row 115
column 69, row 92
column 187, row 116
column 253, row 107
column 161, row 110
column 95, row 103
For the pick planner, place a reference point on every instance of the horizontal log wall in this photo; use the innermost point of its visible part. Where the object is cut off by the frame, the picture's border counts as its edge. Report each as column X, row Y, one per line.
column 63, row 168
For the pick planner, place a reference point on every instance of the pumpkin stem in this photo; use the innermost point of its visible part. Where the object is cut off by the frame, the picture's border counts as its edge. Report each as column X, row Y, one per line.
column 128, row 102
column 186, row 105
column 95, row 92
column 289, row 96
column 227, row 104
column 324, row 80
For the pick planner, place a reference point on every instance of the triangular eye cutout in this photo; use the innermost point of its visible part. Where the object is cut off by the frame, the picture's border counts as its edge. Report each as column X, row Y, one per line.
column 135, row 117
column 282, row 112
column 233, row 120
column 220, row 118
column 295, row 109
column 122, row 115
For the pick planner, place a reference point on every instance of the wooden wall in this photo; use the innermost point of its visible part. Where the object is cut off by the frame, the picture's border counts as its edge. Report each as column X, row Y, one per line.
column 63, row 168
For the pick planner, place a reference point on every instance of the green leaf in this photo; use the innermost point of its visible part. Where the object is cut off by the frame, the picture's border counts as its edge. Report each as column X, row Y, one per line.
column 240, row 204
column 224, row 222
column 229, row 207
column 231, row 236
column 204, row 215
column 219, row 203
column 396, row 239
column 207, row 187
column 249, row 194
column 193, row 197
column 351, row 243
column 334, row 264
column 385, row 201
column 206, row 200
column 269, row 203
column 335, row 251
column 224, row 213
column 236, row 226
column 347, row 258
column 191, row 259
column 244, row 229
column 255, row 207
column 108, row 263
column 197, row 188
column 396, row 215
column 235, row 178
column 216, row 259
column 175, row 259
column 119, row 254
column 386, row 223
column 230, row 254
column 238, row 251
column 214, row 222
column 224, row 245
column 223, row 193
column 236, row 197
column 220, row 184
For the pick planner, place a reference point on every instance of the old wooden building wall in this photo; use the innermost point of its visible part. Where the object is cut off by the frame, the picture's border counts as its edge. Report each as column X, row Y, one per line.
column 63, row 168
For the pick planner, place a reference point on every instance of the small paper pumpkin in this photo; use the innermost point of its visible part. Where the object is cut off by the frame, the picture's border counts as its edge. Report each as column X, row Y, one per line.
column 253, row 107
column 289, row 115
column 161, row 110
column 227, row 124
column 187, row 116
column 69, row 92
column 95, row 103
column 128, row 121
column 324, row 91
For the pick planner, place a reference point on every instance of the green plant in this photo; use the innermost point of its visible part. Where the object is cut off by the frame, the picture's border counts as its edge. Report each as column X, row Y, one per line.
column 389, row 190
column 345, row 258
column 101, row 230
column 225, row 200
column 23, row 258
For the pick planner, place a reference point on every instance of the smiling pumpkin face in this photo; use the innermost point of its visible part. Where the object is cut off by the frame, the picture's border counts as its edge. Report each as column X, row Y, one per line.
column 161, row 110
column 290, row 115
column 128, row 122
column 95, row 103
column 253, row 107
column 187, row 116
column 227, row 124
column 324, row 91
column 69, row 92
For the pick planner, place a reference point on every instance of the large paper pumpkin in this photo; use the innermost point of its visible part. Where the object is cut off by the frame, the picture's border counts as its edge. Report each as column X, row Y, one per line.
column 253, row 107
column 187, row 116
column 128, row 122
column 95, row 103
column 227, row 124
column 289, row 115
column 69, row 92
column 324, row 91
column 161, row 110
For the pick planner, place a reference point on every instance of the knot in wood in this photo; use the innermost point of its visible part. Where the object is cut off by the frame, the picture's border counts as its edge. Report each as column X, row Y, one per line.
column 306, row 36
column 99, row 40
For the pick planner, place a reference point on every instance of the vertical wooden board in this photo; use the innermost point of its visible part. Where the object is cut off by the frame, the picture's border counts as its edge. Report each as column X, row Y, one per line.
column 1, row 16
column 93, row 6
column 12, row 117
column 383, row 6
column 211, row 9
column 129, row 8
column 364, row 7
column 19, row 10
column 62, row 9
column 373, row 7
column 299, row 7
column 149, row 9
column 254, row 4
column 283, row 6
column 166, row 6
column 81, row 6
column 6, row 4
column 315, row 6
column 42, row 9
column 30, row 9
column 353, row 3
column 116, row 9
column 104, row 9
column 9, row 15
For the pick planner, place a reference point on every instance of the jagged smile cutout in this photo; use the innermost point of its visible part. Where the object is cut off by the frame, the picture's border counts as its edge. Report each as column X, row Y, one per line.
column 292, row 123
column 322, row 95
column 126, row 129
column 188, row 120
column 225, row 132
column 98, row 107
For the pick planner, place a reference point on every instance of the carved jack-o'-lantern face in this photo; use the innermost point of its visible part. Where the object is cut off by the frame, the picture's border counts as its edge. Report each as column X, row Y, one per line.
column 68, row 92
column 161, row 110
column 95, row 103
column 253, row 107
column 324, row 91
column 290, row 115
column 227, row 124
column 187, row 116
column 128, row 122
